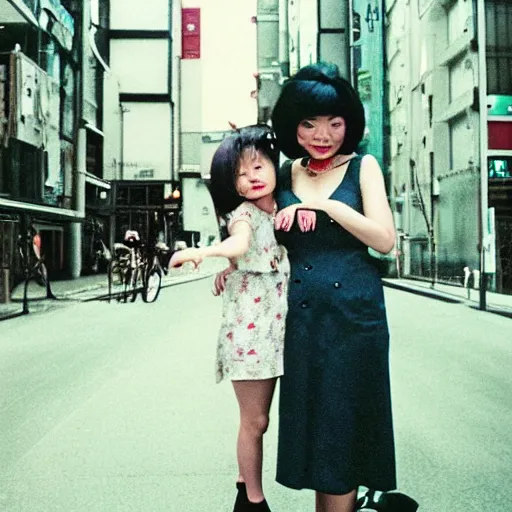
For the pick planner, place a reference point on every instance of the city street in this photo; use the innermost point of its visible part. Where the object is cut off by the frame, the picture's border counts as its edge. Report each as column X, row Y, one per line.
column 114, row 408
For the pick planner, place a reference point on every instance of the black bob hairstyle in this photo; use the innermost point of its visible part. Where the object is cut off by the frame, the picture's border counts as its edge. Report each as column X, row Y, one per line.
column 317, row 90
column 226, row 163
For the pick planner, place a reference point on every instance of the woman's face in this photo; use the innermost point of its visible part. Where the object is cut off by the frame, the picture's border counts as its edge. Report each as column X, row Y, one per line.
column 256, row 177
column 321, row 136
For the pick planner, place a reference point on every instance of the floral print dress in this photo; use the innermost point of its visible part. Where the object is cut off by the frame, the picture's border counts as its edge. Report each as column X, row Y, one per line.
column 251, row 337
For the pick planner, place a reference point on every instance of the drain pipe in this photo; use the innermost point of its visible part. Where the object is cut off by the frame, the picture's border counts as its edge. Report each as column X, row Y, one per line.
column 284, row 54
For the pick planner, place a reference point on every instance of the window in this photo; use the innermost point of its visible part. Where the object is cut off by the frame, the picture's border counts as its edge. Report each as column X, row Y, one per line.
column 500, row 167
column 498, row 14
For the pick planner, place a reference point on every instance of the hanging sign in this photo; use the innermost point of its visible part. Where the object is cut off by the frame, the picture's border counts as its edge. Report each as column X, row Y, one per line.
column 191, row 33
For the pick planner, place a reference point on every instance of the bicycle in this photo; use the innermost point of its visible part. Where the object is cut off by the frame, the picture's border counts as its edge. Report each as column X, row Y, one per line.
column 138, row 270
column 154, row 272
column 126, row 265
column 37, row 271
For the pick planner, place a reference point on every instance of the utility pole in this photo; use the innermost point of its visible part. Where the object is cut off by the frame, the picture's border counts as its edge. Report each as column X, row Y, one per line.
column 75, row 228
column 479, row 6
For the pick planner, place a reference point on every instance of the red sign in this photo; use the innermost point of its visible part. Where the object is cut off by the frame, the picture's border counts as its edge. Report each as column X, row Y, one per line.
column 500, row 134
column 191, row 33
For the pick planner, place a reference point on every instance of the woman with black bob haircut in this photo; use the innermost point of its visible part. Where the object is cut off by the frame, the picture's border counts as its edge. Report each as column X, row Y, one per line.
column 335, row 421
column 317, row 90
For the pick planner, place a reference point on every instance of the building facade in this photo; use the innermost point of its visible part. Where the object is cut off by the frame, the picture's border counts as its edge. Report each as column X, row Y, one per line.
column 140, row 154
column 443, row 73
column 216, row 61
column 51, row 173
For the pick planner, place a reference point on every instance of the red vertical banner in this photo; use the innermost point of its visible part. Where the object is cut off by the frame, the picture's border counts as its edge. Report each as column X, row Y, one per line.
column 191, row 33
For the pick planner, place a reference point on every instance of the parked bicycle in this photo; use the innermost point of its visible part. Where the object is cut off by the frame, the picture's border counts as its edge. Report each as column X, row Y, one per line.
column 136, row 269
column 32, row 263
column 155, row 270
column 96, row 254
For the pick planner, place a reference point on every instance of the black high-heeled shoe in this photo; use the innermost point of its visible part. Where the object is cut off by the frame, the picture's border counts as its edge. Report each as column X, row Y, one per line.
column 262, row 506
column 241, row 498
column 387, row 502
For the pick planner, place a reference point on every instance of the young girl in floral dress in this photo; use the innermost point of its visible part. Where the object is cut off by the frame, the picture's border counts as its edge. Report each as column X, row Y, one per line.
column 250, row 343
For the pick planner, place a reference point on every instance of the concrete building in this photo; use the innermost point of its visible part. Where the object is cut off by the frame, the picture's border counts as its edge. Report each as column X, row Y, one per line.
column 216, row 62
column 442, row 76
column 51, row 177
column 139, row 116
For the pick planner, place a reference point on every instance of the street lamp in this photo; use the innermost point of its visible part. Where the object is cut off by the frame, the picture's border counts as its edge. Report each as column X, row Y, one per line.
column 176, row 193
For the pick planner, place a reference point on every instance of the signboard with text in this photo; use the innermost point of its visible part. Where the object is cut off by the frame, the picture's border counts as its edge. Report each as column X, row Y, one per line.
column 191, row 33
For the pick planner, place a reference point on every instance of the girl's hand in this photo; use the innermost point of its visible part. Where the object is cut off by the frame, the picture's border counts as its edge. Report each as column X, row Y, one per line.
column 193, row 255
column 284, row 219
column 219, row 284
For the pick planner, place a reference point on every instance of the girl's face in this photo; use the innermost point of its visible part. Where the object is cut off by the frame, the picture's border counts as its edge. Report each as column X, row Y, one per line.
column 256, row 177
column 321, row 136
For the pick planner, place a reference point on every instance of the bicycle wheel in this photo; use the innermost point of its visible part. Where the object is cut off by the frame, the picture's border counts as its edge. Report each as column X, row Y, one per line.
column 41, row 277
column 127, row 277
column 135, row 284
column 152, row 286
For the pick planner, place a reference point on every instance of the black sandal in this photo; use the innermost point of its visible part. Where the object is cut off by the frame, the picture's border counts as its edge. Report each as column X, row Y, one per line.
column 387, row 502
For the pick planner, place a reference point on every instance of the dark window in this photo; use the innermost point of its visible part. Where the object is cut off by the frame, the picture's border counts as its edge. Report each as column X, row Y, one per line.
column 122, row 196
column 138, row 196
column 155, row 194
column 498, row 17
column 500, row 167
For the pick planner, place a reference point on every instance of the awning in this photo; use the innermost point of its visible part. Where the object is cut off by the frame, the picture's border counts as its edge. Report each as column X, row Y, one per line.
column 50, row 211
column 93, row 128
column 16, row 11
column 94, row 180
column 47, row 227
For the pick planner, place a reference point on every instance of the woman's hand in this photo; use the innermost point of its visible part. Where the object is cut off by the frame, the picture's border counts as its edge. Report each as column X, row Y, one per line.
column 306, row 220
column 285, row 218
column 193, row 255
column 219, row 284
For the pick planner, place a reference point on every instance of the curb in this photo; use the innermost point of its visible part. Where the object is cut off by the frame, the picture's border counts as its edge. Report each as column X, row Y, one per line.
column 73, row 296
column 165, row 284
column 432, row 294
column 446, row 297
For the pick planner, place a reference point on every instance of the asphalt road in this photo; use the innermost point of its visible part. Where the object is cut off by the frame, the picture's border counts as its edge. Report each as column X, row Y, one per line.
column 113, row 407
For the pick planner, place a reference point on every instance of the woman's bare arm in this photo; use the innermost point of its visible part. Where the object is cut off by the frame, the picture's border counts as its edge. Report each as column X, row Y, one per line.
column 375, row 228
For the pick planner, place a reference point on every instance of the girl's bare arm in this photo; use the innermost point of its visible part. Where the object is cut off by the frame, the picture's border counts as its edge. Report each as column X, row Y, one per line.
column 236, row 245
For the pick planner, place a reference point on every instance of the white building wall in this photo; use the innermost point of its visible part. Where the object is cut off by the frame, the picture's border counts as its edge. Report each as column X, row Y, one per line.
column 215, row 89
column 141, row 64
column 228, row 50
column 308, row 20
column 147, row 141
column 146, row 15
column 199, row 215
column 111, row 128
column 142, row 67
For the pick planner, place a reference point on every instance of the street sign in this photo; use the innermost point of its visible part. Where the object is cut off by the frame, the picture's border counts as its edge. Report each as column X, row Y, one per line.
column 490, row 243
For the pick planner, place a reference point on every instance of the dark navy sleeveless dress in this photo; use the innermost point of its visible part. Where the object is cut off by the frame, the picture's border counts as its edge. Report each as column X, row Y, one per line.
column 335, row 423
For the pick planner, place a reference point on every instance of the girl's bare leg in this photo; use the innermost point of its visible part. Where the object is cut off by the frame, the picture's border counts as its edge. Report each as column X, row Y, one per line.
column 254, row 399
column 335, row 503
